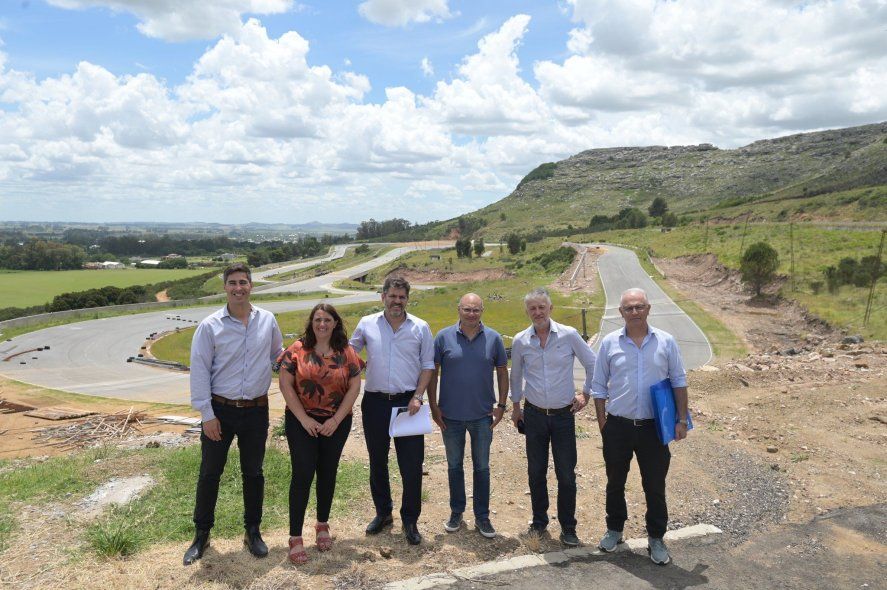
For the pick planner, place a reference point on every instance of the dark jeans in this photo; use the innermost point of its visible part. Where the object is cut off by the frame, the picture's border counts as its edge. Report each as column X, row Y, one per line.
column 621, row 439
column 310, row 455
column 250, row 426
column 454, row 442
column 410, row 454
column 558, row 430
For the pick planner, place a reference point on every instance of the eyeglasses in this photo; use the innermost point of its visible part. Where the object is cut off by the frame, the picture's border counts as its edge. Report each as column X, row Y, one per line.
column 471, row 309
column 634, row 308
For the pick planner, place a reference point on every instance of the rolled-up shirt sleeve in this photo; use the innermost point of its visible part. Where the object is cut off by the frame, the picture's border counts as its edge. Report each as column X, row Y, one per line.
column 676, row 371
column 586, row 357
column 601, row 378
column 426, row 350
column 516, row 384
column 201, row 371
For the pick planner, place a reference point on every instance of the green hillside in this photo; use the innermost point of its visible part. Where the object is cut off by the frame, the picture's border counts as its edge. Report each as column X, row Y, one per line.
column 565, row 195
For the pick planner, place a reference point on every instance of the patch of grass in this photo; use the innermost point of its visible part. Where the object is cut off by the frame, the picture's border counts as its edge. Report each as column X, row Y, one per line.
column 351, row 258
column 798, row 457
column 24, row 288
column 6, row 525
column 114, row 536
column 164, row 513
column 715, row 426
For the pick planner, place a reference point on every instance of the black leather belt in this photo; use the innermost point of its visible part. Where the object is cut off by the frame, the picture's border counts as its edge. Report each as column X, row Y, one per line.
column 241, row 403
column 550, row 411
column 632, row 421
column 390, row 396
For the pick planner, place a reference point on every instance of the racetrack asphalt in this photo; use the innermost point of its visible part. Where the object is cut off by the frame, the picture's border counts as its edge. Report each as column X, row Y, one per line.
column 91, row 357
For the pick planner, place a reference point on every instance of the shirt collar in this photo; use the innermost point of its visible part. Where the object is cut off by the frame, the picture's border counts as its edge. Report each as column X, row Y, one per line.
column 227, row 313
column 651, row 331
column 480, row 328
column 552, row 328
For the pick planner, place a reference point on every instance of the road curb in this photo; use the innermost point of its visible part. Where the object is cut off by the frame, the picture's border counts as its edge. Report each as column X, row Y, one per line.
column 526, row 561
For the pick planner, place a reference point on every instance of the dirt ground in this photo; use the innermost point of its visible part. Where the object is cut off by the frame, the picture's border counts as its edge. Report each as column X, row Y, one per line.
column 778, row 439
column 436, row 276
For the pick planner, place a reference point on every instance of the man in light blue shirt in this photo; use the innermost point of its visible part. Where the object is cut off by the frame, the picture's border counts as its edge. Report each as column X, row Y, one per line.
column 400, row 360
column 466, row 355
column 231, row 358
column 630, row 360
column 542, row 358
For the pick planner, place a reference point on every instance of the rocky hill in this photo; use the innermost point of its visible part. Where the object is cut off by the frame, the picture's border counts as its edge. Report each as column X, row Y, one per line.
column 603, row 181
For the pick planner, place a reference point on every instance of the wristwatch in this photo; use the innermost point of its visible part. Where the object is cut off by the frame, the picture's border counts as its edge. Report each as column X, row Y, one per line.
column 501, row 406
column 419, row 398
column 684, row 422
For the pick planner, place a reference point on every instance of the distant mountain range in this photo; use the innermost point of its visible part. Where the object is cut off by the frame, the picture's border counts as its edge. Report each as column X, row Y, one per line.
column 690, row 178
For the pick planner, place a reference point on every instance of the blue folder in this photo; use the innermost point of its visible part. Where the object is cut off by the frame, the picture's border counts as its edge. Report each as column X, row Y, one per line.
column 664, row 411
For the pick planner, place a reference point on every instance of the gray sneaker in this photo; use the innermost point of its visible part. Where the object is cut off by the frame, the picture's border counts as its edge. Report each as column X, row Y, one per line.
column 657, row 550
column 485, row 527
column 455, row 522
column 610, row 540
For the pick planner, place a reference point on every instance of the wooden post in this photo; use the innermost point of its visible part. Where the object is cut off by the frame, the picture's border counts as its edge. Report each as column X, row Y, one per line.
column 868, row 305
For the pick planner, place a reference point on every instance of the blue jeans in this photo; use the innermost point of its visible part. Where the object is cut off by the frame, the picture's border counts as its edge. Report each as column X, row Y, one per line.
column 557, row 432
column 454, row 442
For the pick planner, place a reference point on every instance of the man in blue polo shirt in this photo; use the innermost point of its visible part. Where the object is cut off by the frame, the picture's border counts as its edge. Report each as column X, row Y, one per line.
column 465, row 355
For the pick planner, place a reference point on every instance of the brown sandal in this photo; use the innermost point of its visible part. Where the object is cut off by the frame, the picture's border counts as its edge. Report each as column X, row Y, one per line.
column 297, row 556
column 323, row 543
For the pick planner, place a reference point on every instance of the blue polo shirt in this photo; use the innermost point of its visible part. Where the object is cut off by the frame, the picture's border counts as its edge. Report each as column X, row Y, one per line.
column 466, row 371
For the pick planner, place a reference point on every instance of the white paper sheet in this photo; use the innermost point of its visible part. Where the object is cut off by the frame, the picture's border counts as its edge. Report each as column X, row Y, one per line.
column 402, row 424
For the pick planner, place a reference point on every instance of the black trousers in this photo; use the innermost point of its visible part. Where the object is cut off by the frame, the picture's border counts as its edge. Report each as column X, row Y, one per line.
column 410, row 455
column 621, row 440
column 557, row 431
column 310, row 455
column 250, row 426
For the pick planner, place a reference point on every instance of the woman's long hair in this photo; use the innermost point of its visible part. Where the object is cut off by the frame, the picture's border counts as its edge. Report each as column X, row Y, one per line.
column 338, row 338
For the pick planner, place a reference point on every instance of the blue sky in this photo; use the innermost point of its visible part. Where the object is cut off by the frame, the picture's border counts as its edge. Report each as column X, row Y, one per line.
column 279, row 110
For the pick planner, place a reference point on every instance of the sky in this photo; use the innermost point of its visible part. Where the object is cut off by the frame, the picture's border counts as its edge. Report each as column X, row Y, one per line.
column 293, row 111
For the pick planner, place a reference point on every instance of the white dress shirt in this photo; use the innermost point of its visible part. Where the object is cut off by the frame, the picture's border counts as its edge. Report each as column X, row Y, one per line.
column 233, row 360
column 624, row 373
column 544, row 376
column 394, row 359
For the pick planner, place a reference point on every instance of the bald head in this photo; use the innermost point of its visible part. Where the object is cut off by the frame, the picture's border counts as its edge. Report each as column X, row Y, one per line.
column 471, row 307
column 633, row 293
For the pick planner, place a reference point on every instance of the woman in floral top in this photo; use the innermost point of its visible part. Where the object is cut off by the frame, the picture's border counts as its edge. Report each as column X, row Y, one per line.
column 320, row 380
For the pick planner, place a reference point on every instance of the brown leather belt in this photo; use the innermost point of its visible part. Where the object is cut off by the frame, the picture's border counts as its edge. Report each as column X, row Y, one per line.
column 241, row 403
column 550, row 411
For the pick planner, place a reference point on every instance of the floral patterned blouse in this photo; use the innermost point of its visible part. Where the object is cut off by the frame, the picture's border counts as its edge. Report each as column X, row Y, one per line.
column 321, row 382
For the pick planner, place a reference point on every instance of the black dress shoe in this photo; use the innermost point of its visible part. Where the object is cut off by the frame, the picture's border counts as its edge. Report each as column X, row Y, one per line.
column 379, row 523
column 195, row 551
column 253, row 541
column 411, row 532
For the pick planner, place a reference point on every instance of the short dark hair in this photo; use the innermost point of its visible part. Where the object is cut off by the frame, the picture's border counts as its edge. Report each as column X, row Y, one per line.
column 338, row 338
column 237, row 267
column 396, row 283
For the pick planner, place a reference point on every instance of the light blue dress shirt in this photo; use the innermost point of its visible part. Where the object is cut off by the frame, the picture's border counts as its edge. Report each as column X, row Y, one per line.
column 394, row 359
column 624, row 373
column 544, row 376
column 233, row 360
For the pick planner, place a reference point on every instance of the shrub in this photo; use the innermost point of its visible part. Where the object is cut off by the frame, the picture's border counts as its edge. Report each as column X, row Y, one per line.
column 758, row 265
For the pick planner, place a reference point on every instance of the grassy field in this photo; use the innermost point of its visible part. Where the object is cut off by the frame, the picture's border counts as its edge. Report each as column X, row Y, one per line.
column 24, row 288
column 350, row 259
column 815, row 247
column 164, row 512
column 503, row 302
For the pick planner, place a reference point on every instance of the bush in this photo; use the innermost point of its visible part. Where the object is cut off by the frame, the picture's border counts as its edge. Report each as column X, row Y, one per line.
column 758, row 265
column 658, row 208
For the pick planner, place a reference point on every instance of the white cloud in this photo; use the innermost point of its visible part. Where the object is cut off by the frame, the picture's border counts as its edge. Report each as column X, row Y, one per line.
column 182, row 20
column 426, row 67
column 399, row 13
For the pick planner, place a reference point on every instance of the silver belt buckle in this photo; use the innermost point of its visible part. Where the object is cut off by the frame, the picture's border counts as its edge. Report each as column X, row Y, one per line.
column 240, row 403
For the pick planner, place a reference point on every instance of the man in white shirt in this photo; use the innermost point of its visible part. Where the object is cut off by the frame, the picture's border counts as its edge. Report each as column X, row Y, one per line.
column 542, row 359
column 231, row 358
column 400, row 361
column 629, row 362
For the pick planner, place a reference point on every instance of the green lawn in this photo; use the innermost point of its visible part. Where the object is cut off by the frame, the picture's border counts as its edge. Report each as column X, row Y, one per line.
column 24, row 288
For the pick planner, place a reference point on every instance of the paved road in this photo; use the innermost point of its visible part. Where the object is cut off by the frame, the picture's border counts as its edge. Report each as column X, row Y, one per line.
column 620, row 270
column 90, row 357
column 335, row 252
column 325, row 282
